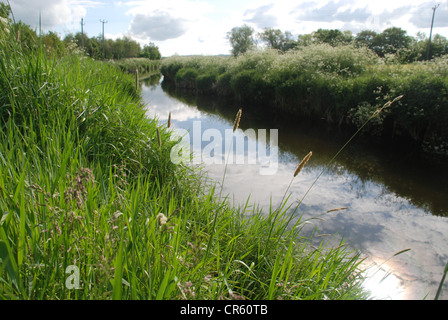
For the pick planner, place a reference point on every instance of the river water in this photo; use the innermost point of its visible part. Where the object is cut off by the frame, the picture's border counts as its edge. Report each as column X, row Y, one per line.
column 392, row 200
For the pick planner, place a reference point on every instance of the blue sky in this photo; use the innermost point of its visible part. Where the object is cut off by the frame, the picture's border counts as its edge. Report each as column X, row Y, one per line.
column 199, row 26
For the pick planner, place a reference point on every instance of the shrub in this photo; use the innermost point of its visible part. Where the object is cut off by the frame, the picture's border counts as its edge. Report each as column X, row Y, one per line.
column 205, row 83
column 169, row 70
column 186, row 78
column 241, row 83
column 223, row 87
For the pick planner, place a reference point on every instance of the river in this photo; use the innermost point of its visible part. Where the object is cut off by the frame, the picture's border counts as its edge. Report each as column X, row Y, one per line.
column 392, row 200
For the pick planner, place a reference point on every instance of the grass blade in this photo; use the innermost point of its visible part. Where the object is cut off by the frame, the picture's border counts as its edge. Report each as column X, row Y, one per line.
column 439, row 290
column 117, row 283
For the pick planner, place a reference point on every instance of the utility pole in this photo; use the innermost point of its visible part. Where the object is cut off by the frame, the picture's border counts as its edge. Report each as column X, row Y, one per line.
column 430, row 33
column 82, row 32
column 103, row 22
column 40, row 24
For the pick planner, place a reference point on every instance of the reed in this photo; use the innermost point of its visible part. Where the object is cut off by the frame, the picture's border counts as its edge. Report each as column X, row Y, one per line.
column 236, row 124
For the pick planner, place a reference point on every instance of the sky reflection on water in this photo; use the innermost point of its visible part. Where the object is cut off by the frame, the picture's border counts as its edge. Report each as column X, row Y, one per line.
column 378, row 221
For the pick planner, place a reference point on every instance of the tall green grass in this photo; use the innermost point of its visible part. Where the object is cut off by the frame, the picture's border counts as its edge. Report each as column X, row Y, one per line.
column 83, row 179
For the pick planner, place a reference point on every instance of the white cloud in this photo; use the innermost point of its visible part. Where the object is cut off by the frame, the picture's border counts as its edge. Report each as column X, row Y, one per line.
column 159, row 26
column 261, row 16
column 177, row 26
column 54, row 13
column 200, row 26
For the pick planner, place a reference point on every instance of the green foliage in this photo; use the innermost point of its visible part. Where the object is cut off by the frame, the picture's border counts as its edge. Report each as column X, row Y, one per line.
column 84, row 181
column 5, row 10
column 205, row 83
column 241, row 39
column 186, row 78
column 242, row 83
column 143, row 65
column 333, row 37
column 276, row 39
column 392, row 43
column 121, row 48
column 151, row 51
column 343, row 84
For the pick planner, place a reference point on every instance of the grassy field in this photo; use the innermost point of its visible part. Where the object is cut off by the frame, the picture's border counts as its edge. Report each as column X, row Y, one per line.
column 91, row 207
column 343, row 85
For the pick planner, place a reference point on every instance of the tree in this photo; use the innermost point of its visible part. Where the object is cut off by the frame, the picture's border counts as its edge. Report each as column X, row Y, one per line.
column 241, row 39
column 276, row 39
column 439, row 46
column 52, row 43
column 305, row 40
column 131, row 47
column 390, row 41
column 151, row 51
column 333, row 37
column 366, row 38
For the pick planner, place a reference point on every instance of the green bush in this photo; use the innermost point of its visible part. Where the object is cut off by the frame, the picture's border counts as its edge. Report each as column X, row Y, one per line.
column 169, row 70
column 186, row 78
column 223, row 87
column 205, row 83
column 242, row 84
column 143, row 65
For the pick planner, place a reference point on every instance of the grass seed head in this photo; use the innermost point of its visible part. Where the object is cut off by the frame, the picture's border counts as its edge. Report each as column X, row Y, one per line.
column 303, row 163
column 387, row 105
column 236, row 123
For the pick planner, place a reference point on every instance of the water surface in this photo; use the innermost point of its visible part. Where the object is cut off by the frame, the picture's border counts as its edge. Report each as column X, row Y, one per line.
column 394, row 200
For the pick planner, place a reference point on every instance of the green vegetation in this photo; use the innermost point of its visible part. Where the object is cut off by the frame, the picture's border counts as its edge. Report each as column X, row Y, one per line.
column 343, row 84
column 392, row 41
column 143, row 65
column 121, row 48
column 86, row 184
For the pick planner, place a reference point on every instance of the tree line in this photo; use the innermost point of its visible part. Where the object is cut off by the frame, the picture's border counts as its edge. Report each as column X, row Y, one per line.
column 393, row 41
column 121, row 48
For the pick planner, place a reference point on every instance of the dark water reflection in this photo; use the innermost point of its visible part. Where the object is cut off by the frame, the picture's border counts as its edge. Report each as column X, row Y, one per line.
column 395, row 198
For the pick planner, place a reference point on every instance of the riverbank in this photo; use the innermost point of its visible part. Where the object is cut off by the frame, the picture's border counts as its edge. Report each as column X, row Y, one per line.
column 340, row 85
column 94, row 208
